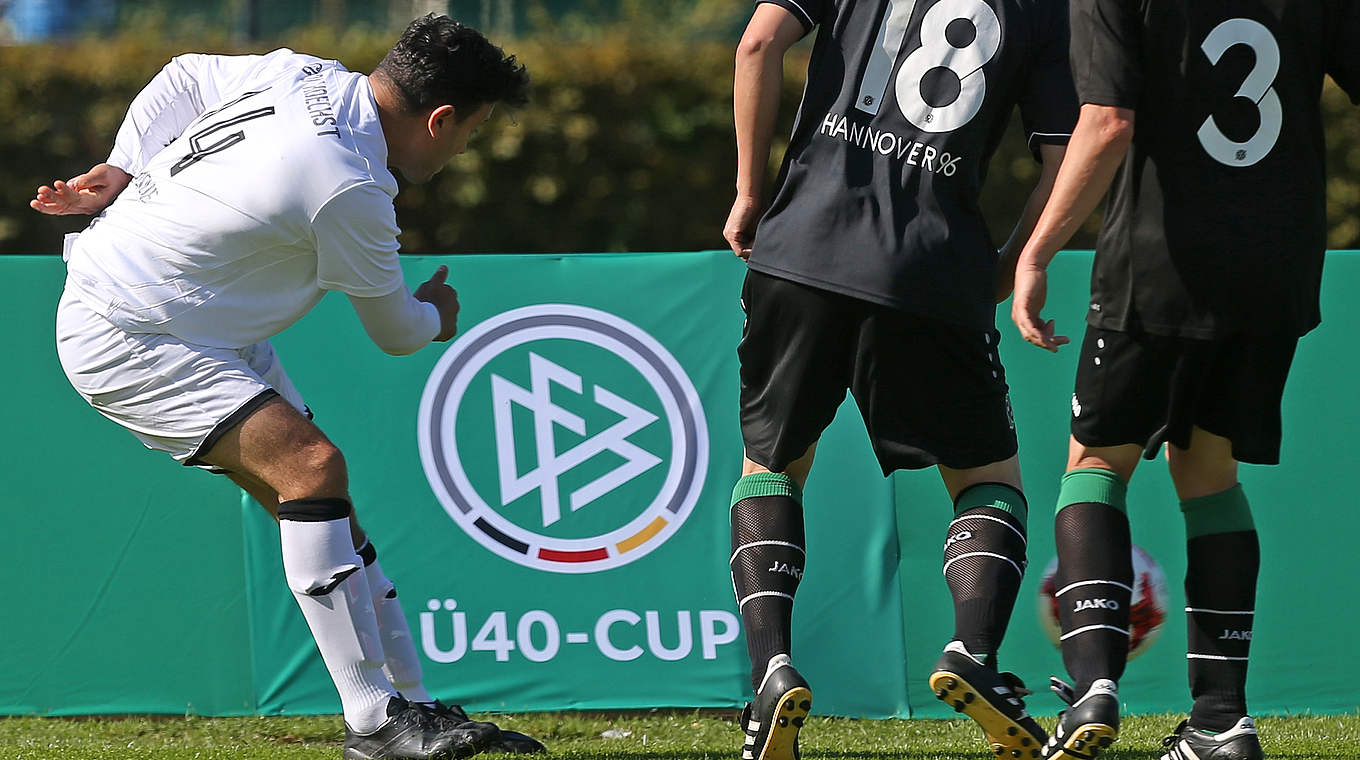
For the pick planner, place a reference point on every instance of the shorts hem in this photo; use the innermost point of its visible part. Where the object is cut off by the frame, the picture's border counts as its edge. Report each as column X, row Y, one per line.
column 243, row 411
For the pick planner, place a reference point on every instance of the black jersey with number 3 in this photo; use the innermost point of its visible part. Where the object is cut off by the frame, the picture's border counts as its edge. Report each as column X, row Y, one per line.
column 906, row 101
column 1216, row 222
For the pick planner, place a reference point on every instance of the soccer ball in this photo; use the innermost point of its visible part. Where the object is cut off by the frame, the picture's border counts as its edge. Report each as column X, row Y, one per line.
column 1147, row 609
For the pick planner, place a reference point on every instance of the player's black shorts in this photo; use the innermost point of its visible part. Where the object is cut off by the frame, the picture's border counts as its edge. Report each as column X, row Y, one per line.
column 1151, row 389
column 930, row 392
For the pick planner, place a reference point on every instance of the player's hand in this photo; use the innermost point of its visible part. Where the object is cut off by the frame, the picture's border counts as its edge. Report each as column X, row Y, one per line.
column 1005, row 273
column 87, row 193
column 1031, row 291
column 444, row 298
column 740, row 229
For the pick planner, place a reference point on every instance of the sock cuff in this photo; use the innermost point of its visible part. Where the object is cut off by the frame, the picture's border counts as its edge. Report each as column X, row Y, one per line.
column 995, row 495
column 315, row 510
column 1092, row 485
column 1223, row 512
column 368, row 553
column 766, row 484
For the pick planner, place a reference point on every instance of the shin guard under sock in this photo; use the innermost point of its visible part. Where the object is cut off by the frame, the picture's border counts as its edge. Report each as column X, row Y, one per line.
column 984, row 562
column 1095, row 575
column 767, row 562
column 1224, row 557
column 327, row 581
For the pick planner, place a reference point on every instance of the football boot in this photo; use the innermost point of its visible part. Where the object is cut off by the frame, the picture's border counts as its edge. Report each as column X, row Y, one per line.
column 1237, row 743
column 510, row 742
column 409, row 733
column 991, row 699
column 772, row 720
column 1089, row 725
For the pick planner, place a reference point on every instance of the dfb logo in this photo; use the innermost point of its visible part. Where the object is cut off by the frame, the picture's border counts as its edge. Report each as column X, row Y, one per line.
column 599, row 438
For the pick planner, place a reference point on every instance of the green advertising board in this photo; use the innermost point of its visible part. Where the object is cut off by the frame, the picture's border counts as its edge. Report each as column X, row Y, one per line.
column 549, row 492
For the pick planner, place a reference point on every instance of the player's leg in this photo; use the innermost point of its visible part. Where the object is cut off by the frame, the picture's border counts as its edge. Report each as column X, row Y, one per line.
column 984, row 552
column 401, row 664
column 795, row 360
column 1238, row 420
column 934, row 393
column 1223, row 559
column 187, row 400
column 280, row 448
column 984, row 563
column 1095, row 569
column 1094, row 587
column 1123, row 407
column 401, row 661
column 767, row 533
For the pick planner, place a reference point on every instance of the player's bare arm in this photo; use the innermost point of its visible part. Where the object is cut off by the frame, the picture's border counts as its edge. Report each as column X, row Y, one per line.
column 1099, row 142
column 755, row 104
column 87, row 193
column 1051, row 157
column 436, row 291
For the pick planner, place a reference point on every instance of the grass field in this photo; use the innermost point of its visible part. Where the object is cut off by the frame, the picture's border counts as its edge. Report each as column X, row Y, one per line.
column 664, row 735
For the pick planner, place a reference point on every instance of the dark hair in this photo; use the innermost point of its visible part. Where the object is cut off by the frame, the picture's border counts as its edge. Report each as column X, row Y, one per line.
column 439, row 61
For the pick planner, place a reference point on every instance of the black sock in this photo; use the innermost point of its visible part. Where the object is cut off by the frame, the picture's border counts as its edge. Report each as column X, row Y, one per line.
column 1095, row 576
column 767, row 563
column 984, row 562
column 1224, row 557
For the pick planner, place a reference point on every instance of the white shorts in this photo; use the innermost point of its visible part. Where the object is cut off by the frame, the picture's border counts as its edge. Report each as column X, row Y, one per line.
column 176, row 397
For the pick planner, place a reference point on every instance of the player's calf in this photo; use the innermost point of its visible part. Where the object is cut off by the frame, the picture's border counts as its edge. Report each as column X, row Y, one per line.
column 1095, row 576
column 766, row 563
column 328, row 582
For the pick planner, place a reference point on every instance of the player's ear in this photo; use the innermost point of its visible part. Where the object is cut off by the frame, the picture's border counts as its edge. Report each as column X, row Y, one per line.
column 441, row 119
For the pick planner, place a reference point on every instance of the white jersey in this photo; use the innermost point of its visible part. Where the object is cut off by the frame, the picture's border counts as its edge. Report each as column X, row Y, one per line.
column 260, row 182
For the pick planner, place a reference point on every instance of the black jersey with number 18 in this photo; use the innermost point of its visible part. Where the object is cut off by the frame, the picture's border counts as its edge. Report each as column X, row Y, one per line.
column 906, row 101
column 1216, row 222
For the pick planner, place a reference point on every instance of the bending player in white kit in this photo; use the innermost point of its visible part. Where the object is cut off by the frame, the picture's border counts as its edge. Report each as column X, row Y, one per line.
column 246, row 187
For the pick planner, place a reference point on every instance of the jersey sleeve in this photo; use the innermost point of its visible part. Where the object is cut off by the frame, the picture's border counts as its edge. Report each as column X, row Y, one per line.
column 809, row 13
column 1343, row 49
column 1107, row 52
column 186, row 87
column 1048, row 103
column 356, row 243
column 397, row 323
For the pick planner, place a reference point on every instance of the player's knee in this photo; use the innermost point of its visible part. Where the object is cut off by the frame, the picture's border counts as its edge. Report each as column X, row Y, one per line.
column 321, row 470
column 1121, row 463
column 1201, row 470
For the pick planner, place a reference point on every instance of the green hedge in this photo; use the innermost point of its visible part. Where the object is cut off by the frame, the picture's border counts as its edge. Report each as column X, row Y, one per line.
column 627, row 144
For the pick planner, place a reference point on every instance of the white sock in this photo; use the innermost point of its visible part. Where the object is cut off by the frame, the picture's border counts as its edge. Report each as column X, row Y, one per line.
column 323, row 572
column 399, row 649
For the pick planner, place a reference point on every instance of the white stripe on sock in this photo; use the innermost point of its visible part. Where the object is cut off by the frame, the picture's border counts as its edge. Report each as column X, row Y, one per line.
column 1193, row 656
column 984, row 554
column 749, row 597
column 1220, row 612
column 993, row 519
column 1071, row 586
column 1084, row 629
column 764, row 543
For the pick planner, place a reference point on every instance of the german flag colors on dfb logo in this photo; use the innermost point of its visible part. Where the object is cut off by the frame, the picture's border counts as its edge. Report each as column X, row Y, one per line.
column 563, row 438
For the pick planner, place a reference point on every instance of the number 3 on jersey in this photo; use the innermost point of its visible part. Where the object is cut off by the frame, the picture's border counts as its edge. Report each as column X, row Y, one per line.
column 1256, row 88
column 937, row 51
